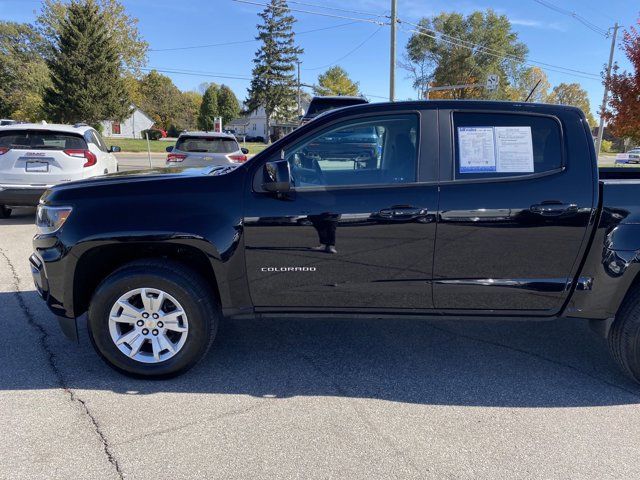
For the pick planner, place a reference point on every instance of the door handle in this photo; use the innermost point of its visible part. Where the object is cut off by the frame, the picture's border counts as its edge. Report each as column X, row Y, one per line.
column 402, row 213
column 553, row 209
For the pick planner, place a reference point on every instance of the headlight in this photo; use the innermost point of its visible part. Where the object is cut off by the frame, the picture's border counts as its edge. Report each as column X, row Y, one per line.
column 50, row 219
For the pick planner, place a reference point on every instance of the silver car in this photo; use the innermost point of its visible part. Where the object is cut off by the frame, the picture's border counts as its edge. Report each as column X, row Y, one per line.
column 205, row 149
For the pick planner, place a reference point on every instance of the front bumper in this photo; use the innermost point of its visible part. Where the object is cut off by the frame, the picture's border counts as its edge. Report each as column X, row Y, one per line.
column 17, row 196
column 68, row 325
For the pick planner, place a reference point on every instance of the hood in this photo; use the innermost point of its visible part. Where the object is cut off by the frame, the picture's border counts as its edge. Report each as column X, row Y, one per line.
column 126, row 182
column 153, row 174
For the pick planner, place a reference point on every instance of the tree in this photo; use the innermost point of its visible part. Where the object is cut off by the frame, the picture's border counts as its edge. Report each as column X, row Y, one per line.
column 273, row 84
column 623, row 112
column 336, row 81
column 451, row 49
column 86, row 76
column 531, row 82
column 228, row 105
column 191, row 102
column 573, row 94
column 23, row 72
column 208, row 108
column 161, row 99
column 131, row 48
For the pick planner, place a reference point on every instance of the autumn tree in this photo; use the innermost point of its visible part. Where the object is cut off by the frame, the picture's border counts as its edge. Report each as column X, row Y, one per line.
column 573, row 94
column 623, row 109
column 336, row 81
column 160, row 99
column 273, row 83
column 531, row 83
column 453, row 49
column 24, row 75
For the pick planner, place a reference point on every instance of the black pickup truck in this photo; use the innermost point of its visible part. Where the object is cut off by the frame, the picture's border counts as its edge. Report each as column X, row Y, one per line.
column 472, row 209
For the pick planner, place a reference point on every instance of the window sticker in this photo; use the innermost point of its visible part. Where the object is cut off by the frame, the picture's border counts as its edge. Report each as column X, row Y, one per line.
column 495, row 149
column 477, row 149
column 514, row 149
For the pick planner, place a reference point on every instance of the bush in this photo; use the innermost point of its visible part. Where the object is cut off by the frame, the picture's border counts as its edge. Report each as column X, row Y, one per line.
column 153, row 134
column 607, row 146
column 174, row 131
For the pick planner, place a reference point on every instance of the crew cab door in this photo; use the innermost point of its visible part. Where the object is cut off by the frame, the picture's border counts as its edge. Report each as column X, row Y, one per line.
column 357, row 230
column 516, row 197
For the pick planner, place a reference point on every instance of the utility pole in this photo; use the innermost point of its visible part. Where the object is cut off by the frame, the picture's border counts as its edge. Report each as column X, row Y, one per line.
column 606, row 89
column 392, row 56
column 299, row 91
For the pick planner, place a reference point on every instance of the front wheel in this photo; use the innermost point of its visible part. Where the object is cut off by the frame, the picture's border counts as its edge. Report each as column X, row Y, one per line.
column 152, row 319
column 624, row 336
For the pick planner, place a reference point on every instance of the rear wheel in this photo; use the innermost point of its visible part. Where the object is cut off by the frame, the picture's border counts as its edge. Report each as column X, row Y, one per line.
column 5, row 212
column 624, row 336
column 152, row 319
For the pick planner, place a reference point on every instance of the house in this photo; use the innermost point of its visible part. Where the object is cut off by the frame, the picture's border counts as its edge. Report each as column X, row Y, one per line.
column 130, row 127
column 255, row 125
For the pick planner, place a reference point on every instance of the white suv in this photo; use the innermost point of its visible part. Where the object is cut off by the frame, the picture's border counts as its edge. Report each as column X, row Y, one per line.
column 34, row 157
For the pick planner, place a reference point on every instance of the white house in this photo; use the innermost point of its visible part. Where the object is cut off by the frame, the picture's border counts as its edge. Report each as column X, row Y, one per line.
column 255, row 124
column 130, row 127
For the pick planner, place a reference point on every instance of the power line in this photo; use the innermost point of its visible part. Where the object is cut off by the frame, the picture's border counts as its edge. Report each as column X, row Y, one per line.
column 335, row 9
column 355, row 49
column 237, row 42
column 322, row 14
column 574, row 15
column 496, row 53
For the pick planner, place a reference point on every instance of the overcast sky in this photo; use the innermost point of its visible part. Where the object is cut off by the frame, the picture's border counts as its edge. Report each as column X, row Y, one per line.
column 361, row 48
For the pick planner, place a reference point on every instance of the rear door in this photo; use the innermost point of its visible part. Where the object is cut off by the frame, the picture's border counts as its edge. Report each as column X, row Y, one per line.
column 516, row 198
column 40, row 157
column 357, row 232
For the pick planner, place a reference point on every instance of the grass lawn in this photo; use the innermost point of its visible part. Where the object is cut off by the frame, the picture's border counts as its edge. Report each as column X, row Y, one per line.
column 159, row 146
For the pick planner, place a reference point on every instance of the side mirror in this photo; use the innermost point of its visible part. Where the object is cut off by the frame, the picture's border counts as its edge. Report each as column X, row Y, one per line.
column 114, row 149
column 245, row 150
column 169, row 148
column 276, row 177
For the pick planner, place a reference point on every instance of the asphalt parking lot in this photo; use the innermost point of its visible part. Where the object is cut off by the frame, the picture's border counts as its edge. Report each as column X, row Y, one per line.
column 314, row 399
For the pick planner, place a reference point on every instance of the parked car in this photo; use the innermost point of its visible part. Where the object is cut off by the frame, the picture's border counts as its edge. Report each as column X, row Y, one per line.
column 6, row 121
column 204, row 149
column 474, row 210
column 34, row 157
column 321, row 105
column 634, row 155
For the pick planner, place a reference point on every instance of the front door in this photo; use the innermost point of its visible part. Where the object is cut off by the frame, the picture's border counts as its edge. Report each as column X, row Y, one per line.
column 356, row 232
column 513, row 217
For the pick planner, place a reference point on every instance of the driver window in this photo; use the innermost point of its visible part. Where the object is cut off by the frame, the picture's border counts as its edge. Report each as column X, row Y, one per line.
column 375, row 150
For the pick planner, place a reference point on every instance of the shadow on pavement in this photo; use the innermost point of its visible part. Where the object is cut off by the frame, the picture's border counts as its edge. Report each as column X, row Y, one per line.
column 20, row 216
column 475, row 363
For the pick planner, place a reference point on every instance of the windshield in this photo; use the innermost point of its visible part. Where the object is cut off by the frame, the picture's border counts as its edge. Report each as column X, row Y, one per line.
column 41, row 140
column 204, row 144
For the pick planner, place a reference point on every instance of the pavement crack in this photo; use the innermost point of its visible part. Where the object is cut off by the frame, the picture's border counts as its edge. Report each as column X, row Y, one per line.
column 51, row 360
column 538, row 356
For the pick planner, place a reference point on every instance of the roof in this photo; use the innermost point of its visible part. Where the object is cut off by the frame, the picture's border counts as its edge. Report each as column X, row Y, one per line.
column 208, row 134
column 79, row 128
column 239, row 121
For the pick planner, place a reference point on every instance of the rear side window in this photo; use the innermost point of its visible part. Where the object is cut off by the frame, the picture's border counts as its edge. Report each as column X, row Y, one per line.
column 188, row 143
column 41, row 140
column 321, row 105
column 489, row 145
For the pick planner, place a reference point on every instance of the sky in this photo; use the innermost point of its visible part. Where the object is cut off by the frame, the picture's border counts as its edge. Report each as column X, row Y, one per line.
column 361, row 48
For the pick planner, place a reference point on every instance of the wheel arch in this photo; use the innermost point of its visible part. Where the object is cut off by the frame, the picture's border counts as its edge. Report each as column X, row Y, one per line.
column 97, row 263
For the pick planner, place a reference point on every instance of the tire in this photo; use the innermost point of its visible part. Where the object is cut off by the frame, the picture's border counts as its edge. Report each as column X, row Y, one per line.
column 182, row 288
column 5, row 212
column 624, row 336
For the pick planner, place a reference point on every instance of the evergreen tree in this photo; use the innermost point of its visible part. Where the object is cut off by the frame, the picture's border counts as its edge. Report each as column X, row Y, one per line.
column 208, row 108
column 228, row 105
column 273, row 85
column 85, row 69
